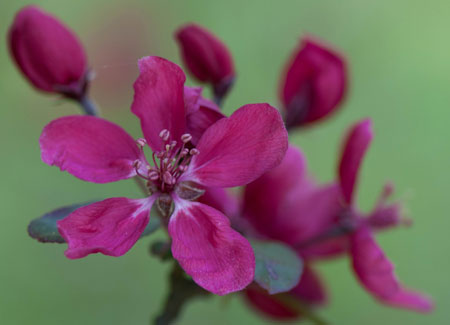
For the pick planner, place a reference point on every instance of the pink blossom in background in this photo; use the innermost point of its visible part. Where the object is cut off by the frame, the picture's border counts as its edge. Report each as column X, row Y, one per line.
column 48, row 53
column 371, row 266
column 231, row 152
column 313, row 84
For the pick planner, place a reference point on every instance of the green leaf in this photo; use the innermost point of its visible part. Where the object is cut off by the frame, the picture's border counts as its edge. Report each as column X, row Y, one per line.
column 45, row 230
column 278, row 267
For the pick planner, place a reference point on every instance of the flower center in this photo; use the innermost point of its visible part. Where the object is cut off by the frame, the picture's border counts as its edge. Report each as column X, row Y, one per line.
column 169, row 163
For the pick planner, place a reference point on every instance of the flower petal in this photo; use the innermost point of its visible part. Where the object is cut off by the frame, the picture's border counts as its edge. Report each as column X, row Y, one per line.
column 314, row 84
column 270, row 305
column 201, row 113
column 310, row 288
column 376, row 274
column 355, row 146
column 265, row 198
column 158, row 100
column 286, row 205
column 110, row 227
column 236, row 150
column 89, row 148
column 217, row 257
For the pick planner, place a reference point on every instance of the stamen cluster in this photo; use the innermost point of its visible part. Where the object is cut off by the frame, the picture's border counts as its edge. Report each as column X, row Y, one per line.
column 168, row 164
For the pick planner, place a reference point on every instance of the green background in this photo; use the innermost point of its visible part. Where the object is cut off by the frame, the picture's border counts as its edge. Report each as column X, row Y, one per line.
column 398, row 53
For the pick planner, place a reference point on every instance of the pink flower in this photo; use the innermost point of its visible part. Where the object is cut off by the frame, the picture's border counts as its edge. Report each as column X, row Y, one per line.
column 206, row 57
column 373, row 269
column 231, row 152
column 284, row 205
column 314, row 84
column 48, row 53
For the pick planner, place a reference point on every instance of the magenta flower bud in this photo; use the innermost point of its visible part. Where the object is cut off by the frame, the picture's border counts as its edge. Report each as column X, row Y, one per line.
column 206, row 58
column 314, row 84
column 48, row 53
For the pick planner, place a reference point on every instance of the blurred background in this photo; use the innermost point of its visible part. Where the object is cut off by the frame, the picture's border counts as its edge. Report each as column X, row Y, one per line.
column 398, row 53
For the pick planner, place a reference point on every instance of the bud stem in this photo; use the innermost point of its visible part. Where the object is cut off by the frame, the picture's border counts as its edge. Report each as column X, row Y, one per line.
column 88, row 106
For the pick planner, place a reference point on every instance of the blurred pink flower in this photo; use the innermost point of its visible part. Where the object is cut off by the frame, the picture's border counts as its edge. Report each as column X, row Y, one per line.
column 49, row 55
column 373, row 269
column 313, row 85
column 231, row 152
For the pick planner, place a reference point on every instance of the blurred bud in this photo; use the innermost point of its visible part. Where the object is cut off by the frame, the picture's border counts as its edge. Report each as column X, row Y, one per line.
column 207, row 58
column 314, row 84
column 48, row 53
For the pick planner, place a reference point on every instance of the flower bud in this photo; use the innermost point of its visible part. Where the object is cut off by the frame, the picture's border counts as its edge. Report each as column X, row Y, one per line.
column 207, row 58
column 48, row 53
column 314, row 84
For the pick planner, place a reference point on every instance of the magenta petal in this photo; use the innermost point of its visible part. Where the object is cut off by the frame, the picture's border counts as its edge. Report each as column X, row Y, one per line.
column 355, row 146
column 310, row 288
column 46, row 51
column 269, row 305
column 217, row 257
column 267, row 196
column 376, row 274
column 110, row 227
column 236, row 150
column 159, row 101
column 201, row 113
column 314, row 85
column 89, row 148
column 191, row 98
column 201, row 120
column 220, row 199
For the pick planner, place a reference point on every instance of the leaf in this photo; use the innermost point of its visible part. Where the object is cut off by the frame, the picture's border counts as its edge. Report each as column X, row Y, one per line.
column 278, row 266
column 45, row 230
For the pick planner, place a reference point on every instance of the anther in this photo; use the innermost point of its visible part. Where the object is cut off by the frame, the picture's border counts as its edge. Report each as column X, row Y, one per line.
column 173, row 144
column 168, row 178
column 153, row 175
column 141, row 142
column 194, row 152
column 184, row 152
column 137, row 164
column 164, row 134
column 186, row 138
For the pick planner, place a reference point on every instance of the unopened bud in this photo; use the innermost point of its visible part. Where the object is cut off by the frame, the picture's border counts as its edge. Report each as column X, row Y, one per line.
column 48, row 53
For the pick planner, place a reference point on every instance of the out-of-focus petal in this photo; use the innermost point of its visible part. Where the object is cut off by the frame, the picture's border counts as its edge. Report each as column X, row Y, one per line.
column 265, row 198
column 217, row 257
column 314, row 84
column 46, row 51
column 110, row 227
column 236, row 150
column 355, row 146
column 310, row 288
column 199, row 121
column 270, row 305
column 220, row 199
column 159, row 100
column 376, row 274
column 89, row 148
